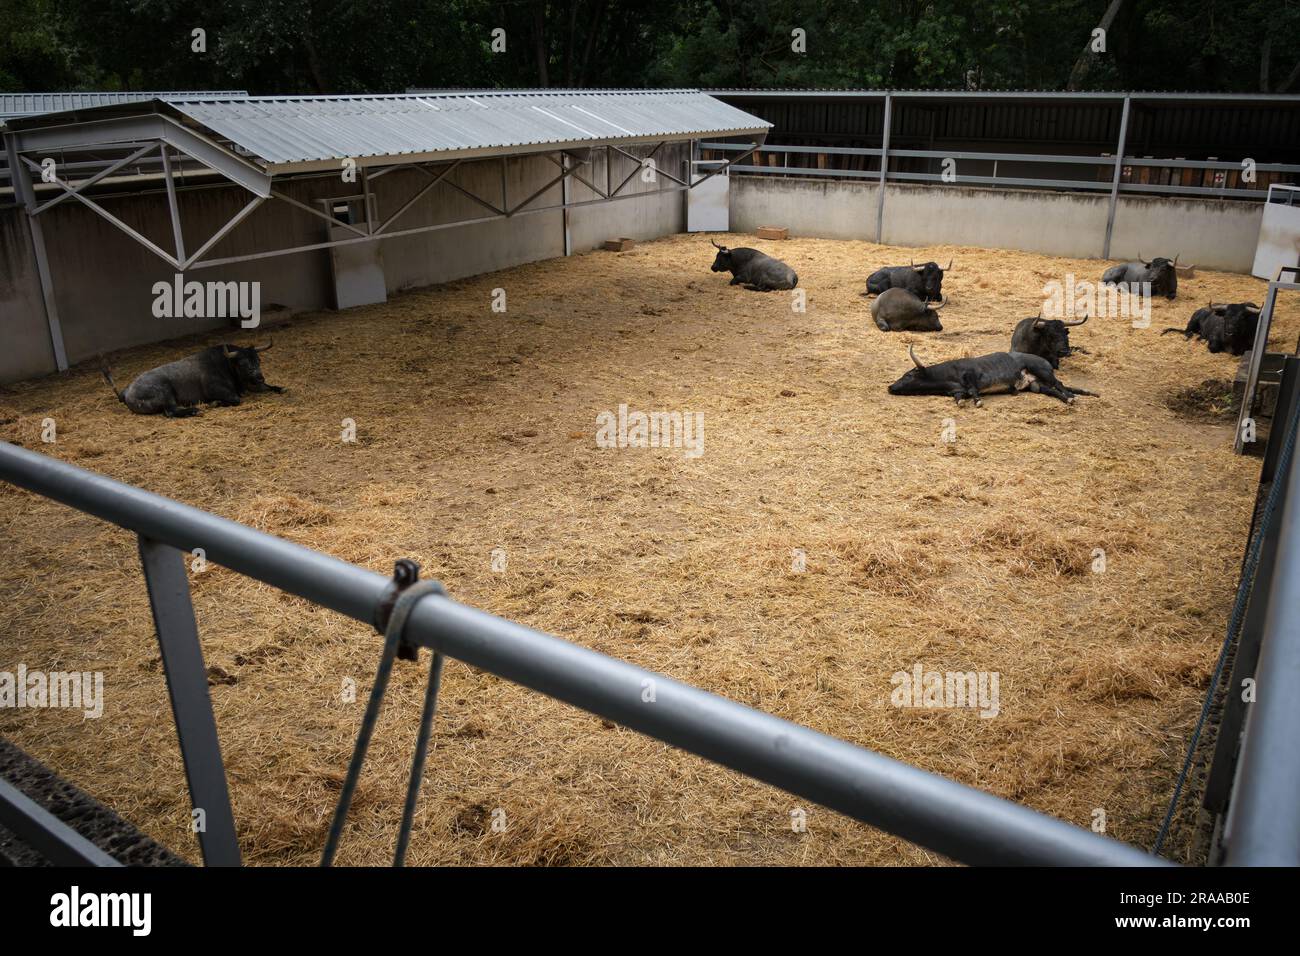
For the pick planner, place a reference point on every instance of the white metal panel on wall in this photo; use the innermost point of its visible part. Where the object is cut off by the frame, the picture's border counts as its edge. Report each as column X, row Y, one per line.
column 708, row 203
column 1279, row 232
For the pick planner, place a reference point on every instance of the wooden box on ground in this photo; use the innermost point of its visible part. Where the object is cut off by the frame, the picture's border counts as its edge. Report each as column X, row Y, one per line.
column 773, row 232
column 619, row 245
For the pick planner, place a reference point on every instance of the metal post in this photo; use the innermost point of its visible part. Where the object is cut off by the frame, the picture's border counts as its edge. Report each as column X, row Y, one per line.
column 171, row 204
column 187, row 685
column 564, row 201
column 22, row 184
column 45, row 833
column 1114, row 182
column 884, row 171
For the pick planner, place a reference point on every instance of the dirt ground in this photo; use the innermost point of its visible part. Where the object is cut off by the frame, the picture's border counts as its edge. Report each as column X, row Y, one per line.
column 476, row 431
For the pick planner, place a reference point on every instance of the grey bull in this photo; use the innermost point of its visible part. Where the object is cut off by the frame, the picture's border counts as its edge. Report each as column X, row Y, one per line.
column 218, row 375
column 897, row 310
column 753, row 269
column 970, row 377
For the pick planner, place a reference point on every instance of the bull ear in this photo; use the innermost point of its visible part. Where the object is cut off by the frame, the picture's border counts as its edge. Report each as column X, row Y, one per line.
column 911, row 351
column 263, row 348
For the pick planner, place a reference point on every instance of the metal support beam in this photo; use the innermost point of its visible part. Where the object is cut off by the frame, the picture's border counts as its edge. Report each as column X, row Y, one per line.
column 220, row 234
column 958, row 821
column 172, row 207
column 23, row 191
column 563, row 177
column 87, row 183
column 447, row 170
column 565, row 189
column 276, row 194
column 884, row 168
column 187, row 686
column 1115, row 176
column 639, row 161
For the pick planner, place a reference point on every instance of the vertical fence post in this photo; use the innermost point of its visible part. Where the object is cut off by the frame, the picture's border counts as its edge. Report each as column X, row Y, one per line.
column 884, row 170
column 566, row 198
column 187, row 686
column 1114, row 182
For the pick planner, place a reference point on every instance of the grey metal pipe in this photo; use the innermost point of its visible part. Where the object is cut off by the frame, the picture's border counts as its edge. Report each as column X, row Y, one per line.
column 1263, row 827
column 960, row 822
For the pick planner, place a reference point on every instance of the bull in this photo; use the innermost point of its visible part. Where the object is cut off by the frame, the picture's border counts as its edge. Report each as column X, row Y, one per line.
column 754, row 270
column 924, row 281
column 1162, row 274
column 897, row 310
column 970, row 377
column 1046, row 338
column 218, row 375
column 1224, row 328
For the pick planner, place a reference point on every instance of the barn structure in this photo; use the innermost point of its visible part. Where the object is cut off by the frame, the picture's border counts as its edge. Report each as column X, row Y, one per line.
column 370, row 194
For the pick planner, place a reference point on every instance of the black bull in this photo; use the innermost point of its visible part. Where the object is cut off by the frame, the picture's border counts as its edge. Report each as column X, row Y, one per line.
column 1224, row 328
column 970, row 377
column 218, row 375
column 753, row 269
column 1046, row 338
column 924, row 281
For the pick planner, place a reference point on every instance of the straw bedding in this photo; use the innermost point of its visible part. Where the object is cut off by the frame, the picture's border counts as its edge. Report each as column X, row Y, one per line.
column 476, row 431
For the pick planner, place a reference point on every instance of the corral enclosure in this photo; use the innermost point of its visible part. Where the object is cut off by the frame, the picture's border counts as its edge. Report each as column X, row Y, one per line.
column 476, row 431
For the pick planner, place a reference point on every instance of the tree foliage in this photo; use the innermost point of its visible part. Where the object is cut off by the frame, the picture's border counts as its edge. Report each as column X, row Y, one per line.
column 354, row 46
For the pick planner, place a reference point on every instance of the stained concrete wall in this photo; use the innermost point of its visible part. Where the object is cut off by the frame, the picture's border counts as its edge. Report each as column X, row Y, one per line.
column 1214, row 233
column 104, row 279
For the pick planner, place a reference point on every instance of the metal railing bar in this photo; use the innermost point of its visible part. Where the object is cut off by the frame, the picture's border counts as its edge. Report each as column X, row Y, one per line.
column 45, row 833
column 1263, row 824
column 960, row 822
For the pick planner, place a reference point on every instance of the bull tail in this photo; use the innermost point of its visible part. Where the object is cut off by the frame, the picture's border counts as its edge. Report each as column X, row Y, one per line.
column 108, row 377
column 1173, row 328
column 1079, row 391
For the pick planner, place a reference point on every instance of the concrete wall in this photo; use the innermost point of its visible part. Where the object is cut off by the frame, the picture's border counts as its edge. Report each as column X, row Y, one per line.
column 1214, row 233
column 103, row 278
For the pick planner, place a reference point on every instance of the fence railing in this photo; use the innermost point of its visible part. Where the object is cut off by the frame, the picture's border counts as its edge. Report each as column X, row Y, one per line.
column 960, row 822
column 1138, row 174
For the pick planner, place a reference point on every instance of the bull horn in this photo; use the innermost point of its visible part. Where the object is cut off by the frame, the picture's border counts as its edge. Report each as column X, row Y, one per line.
column 1176, row 255
column 1070, row 325
column 942, row 302
column 1039, row 320
column 911, row 351
column 723, row 248
column 1252, row 307
column 263, row 348
column 949, row 269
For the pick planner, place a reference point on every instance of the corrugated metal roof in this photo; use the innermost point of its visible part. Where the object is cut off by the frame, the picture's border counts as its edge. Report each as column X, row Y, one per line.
column 33, row 104
column 282, row 131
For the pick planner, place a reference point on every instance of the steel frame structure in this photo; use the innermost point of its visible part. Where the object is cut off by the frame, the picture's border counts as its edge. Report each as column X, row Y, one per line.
column 1247, row 410
column 141, row 136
